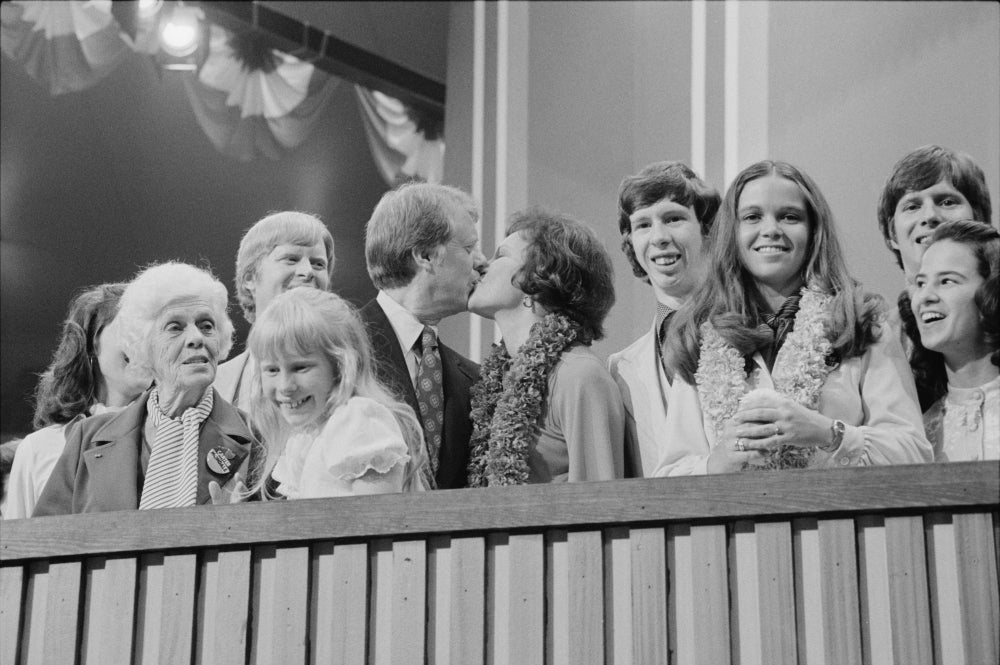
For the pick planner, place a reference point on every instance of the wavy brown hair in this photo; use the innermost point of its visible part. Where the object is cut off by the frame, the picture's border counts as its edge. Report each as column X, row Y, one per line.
column 730, row 300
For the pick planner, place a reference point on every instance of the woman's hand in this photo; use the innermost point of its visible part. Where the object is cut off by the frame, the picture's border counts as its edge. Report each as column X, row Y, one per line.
column 221, row 495
column 727, row 457
column 767, row 420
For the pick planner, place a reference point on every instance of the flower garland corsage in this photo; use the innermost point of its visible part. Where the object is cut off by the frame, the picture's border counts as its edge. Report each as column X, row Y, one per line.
column 508, row 400
column 800, row 370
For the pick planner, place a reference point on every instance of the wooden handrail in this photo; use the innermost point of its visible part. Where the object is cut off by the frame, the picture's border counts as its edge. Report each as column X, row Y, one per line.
column 830, row 493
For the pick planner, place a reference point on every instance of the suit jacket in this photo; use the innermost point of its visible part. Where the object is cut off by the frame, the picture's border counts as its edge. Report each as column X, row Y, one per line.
column 459, row 373
column 644, row 387
column 100, row 469
column 227, row 381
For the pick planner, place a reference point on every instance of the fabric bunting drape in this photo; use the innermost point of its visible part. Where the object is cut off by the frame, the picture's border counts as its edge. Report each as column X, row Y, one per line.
column 65, row 46
column 253, row 100
column 249, row 99
column 401, row 150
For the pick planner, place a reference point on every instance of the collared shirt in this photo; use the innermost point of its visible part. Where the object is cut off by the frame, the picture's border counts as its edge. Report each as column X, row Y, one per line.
column 408, row 329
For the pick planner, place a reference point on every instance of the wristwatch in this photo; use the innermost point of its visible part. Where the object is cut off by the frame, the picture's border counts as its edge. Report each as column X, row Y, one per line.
column 836, row 436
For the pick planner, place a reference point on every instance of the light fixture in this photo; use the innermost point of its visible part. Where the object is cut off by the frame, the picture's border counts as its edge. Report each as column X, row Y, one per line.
column 181, row 33
column 148, row 8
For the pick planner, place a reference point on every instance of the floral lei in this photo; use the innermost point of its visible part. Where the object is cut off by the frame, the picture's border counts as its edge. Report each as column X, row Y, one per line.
column 800, row 371
column 507, row 402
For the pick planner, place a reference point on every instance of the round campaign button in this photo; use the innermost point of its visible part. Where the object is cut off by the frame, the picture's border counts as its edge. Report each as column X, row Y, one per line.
column 218, row 460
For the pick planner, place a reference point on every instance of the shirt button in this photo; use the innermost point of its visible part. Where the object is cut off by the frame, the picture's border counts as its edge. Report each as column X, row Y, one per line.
column 844, row 461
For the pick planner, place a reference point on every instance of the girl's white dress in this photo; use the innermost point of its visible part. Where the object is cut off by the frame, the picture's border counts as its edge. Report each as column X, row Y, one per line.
column 964, row 425
column 360, row 436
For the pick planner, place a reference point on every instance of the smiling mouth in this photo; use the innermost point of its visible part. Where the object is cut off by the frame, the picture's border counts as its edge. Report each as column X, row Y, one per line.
column 293, row 405
column 667, row 260
column 931, row 317
column 770, row 249
column 196, row 360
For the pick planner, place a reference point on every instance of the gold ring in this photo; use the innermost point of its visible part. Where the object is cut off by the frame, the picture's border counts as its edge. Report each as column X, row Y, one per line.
column 740, row 445
column 777, row 431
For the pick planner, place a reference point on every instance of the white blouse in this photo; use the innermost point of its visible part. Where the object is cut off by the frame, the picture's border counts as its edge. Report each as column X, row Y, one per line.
column 873, row 394
column 964, row 425
column 360, row 436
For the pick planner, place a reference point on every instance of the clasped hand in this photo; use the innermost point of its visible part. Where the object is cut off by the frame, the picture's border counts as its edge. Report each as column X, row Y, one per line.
column 765, row 421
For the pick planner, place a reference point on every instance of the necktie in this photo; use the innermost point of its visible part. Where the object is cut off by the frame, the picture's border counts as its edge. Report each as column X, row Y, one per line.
column 172, row 474
column 663, row 316
column 430, row 399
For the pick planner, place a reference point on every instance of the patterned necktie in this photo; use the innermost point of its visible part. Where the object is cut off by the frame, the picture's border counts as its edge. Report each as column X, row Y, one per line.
column 172, row 473
column 430, row 399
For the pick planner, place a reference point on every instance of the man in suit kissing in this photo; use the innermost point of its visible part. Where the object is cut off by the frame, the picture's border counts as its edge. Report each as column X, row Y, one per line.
column 423, row 255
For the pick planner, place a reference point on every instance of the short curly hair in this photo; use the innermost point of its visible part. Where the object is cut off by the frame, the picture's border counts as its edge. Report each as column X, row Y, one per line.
column 928, row 366
column 152, row 290
column 287, row 227
column 657, row 181
column 925, row 167
column 566, row 268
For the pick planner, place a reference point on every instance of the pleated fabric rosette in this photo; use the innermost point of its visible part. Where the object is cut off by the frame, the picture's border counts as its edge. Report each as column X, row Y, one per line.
column 253, row 100
column 66, row 46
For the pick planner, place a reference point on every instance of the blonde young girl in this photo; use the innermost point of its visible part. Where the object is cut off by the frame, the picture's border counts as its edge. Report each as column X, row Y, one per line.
column 331, row 429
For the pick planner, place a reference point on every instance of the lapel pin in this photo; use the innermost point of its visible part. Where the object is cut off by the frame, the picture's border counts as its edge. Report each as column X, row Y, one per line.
column 218, row 458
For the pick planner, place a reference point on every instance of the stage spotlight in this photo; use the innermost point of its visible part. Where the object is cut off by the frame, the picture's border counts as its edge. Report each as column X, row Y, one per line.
column 148, row 8
column 180, row 34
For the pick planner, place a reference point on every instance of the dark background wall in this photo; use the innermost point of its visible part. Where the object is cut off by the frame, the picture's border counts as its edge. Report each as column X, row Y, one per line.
column 99, row 183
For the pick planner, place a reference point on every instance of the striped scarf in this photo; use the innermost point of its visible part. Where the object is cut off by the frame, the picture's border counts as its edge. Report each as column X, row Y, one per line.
column 172, row 473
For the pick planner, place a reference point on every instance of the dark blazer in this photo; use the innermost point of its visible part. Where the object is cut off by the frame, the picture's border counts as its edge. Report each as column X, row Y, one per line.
column 459, row 373
column 100, row 471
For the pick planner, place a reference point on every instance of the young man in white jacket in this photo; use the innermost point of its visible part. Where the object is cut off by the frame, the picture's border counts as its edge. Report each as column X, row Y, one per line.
column 665, row 213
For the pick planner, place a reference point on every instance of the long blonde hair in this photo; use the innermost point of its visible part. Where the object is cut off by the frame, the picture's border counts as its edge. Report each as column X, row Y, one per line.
column 305, row 320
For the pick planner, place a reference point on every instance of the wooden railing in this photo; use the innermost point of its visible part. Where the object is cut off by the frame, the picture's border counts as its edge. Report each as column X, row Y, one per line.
column 879, row 565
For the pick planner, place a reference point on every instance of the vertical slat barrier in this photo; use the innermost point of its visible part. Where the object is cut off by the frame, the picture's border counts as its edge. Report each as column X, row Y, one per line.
column 380, row 609
column 54, row 613
column 945, row 606
column 586, row 598
column 497, row 598
column 776, row 588
column 525, row 620
column 165, row 626
column 467, row 601
column 896, row 625
column 649, row 595
column 281, row 605
column 977, row 582
column 908, row 595
column 556, row 597
column 338, row 626
column 224, row 614
column 745, row 595
column 409, row 593
column 617, row 596
column 701, row 594
column 109, row 624
column 826, row 593
column 873, row 579
column 12, row 603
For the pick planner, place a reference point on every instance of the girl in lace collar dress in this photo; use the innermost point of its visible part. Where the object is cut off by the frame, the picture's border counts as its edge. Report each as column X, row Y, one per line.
column 957, row 362
column 331, row 429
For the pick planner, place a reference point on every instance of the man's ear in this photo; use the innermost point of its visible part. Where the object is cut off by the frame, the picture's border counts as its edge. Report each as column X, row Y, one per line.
column 426, row 257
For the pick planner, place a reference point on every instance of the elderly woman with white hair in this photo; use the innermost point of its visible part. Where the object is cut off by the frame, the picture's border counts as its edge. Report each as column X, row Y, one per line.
column 179, row 438
column 281, row 251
